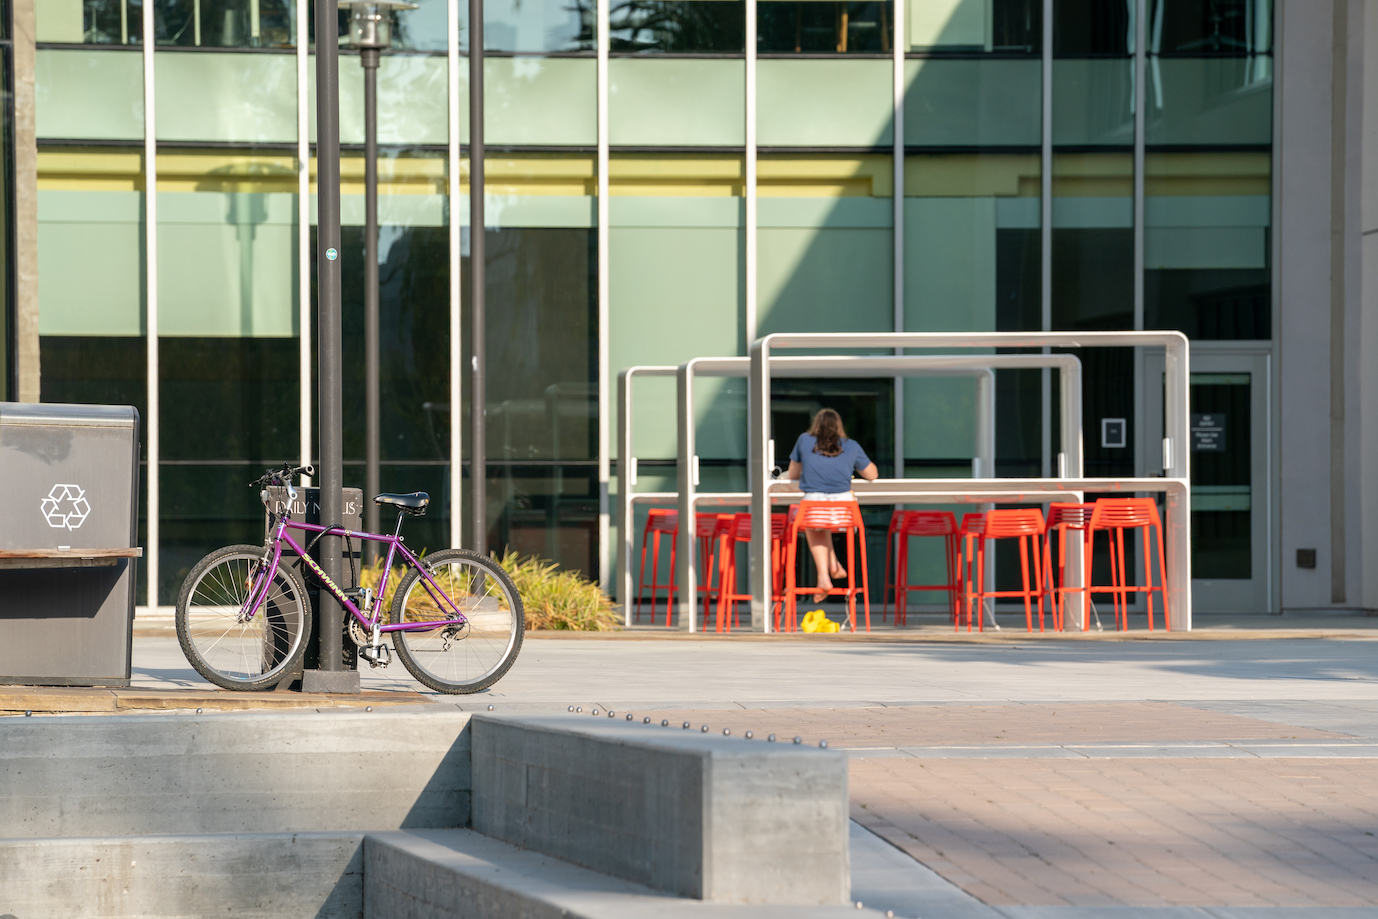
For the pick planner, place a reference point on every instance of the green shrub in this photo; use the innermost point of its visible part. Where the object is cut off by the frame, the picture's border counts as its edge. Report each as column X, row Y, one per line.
column 555, row 599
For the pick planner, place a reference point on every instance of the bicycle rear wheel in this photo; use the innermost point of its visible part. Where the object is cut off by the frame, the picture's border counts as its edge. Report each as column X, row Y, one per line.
column 459, row 659
column 226, row 648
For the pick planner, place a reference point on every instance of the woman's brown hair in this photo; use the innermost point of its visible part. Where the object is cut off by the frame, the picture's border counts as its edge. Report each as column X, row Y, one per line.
column 827, row 432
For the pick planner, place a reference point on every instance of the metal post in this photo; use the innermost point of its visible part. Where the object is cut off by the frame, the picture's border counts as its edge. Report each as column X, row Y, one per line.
column 151, row 303
column 368, row 58
column 328, row 323
column 303, row 239
column 478, row 452
column 456, row 282
column 604, row 306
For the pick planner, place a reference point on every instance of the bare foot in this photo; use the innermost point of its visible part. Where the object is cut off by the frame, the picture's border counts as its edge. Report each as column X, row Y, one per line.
column 838, row 573
column 820, row 596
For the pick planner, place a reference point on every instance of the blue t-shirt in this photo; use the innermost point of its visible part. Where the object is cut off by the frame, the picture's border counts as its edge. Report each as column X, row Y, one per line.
column 828, row 474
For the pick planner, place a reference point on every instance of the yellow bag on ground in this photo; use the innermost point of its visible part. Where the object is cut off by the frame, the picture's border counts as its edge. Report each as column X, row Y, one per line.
column 818, row 621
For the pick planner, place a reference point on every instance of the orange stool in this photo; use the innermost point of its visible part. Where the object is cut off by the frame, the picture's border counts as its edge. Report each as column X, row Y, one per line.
column 835, row 517
column 1026, row 525
column 659, row 522
column 919, row 524
column 735, row 532
column 973, row 525
column 1117, row 515
column 779, row 529
column 1061, row 518
column 707, row 529
column 891, row 534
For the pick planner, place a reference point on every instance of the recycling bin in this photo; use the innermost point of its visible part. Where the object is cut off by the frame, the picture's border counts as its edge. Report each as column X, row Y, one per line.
column 69, row 486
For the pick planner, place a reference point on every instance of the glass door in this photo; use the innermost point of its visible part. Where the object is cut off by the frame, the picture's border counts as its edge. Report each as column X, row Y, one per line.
column 1231, row 500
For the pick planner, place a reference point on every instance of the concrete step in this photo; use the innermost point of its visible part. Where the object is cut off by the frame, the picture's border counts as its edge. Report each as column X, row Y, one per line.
column 232, row 772
column 245, row 876
column 460, row 874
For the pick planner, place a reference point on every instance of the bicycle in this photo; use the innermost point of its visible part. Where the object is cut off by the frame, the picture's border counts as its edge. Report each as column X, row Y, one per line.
column 243, row 616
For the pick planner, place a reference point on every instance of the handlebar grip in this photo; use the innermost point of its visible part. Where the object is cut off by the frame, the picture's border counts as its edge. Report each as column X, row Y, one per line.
column 307, row 470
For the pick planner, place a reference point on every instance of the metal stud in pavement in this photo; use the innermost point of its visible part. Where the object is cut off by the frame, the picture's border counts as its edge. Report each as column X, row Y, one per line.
column 490, row 708
column 770, row 739
column 646, row 720
column 368, row 708
column 704, row 729
column 749, row 735
column 571, row 708
column 685, row 725
column 798, row 740
column 665, row 722
column 633, row 717
column 594, row 712
column 611, row 714
column 726, row 732
column 823, row 745
column 578, row 708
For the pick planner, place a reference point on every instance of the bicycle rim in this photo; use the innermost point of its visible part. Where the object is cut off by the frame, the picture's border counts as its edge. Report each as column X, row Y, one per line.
column 467, row 658
column 235, row 649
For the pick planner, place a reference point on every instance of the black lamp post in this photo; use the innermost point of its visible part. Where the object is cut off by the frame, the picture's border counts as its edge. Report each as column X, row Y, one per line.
column 370, row 31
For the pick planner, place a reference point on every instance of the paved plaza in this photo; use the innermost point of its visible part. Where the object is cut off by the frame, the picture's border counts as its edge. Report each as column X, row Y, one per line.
column 1026, row 777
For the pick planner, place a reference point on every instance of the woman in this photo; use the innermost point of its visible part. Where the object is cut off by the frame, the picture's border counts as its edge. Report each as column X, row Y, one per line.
column 823, row 461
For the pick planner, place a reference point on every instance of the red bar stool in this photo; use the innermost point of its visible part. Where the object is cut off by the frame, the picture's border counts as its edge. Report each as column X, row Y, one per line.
column 971, row 530
column 919, row 524
column 707, row 529
column 736, row 531
column 836, row 517
column 1026, row 525
column 1117, row 515
column 779, row 529
column 660, row 522
column 892, row 534
column 1061, row 518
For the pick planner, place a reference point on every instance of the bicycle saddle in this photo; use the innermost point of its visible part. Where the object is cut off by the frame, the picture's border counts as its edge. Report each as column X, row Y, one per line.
column 414, row 503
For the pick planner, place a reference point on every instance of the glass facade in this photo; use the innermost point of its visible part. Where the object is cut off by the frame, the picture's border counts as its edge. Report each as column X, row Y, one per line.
column 971, row 182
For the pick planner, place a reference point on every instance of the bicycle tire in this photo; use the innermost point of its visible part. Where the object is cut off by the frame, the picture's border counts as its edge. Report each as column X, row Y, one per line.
column 491, row 642
column 286, row 611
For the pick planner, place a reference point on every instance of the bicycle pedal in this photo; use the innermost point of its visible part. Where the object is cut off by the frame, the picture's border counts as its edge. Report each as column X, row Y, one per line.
column 379, row 657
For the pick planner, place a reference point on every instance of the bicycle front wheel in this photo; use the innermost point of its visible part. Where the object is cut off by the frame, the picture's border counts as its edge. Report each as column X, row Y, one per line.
column 467, row 658
column 221, row 640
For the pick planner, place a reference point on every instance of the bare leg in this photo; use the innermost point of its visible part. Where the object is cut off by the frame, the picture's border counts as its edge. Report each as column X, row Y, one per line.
column 824, row 560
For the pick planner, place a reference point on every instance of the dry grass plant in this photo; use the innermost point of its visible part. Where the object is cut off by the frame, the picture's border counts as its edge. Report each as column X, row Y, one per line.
column 553, row 599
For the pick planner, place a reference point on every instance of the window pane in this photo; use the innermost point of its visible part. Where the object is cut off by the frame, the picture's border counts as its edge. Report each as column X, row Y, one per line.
column 1093, row 102
column 1093, row 241
column 825, row 103
column 1212, row 26
column 1093, row 27
column 229, row 399
column 826, row 255
column 971, row 238
column 90, row 247
column 227, row 97
column 92, row 94
column 678, row 26
column 969, row 103
column 1207, row 238
column 824, row 27
column 225, row 23
column 1218, row 100
column 413, row 93
column 975, row 26
column 678, row 102
column 512, row 25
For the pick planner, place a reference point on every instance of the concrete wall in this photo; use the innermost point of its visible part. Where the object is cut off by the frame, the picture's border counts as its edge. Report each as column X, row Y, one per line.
column 714, row 818
column 233, row 773
column 247, row 876
column 1327, row 338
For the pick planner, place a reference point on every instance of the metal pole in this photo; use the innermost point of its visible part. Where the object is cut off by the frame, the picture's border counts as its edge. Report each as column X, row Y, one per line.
column 151, row 421
column 303, row 239
column 368, row 58
column 478, row 453
column 456, row 288
column 328, row 323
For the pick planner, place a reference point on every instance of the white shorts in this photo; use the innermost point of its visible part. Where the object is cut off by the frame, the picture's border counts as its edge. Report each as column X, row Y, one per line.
column 826, row 496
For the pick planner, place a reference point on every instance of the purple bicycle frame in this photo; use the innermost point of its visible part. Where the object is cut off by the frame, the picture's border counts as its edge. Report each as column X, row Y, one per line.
column 394, row 543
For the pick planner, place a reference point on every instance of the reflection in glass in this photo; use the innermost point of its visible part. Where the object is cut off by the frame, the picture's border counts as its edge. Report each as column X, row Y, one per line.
column 527, row 26
column 225, row 23
column 1093, row 241
column 1209, row 100
column 970, row 102
column 1207, row 239
column 1234, row 27
column 1093, row 102
column 811, row 26
column 974, row 26
column 679, row 26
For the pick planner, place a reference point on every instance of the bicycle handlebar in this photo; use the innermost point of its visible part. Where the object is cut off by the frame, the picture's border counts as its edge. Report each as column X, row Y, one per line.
column 283, row 477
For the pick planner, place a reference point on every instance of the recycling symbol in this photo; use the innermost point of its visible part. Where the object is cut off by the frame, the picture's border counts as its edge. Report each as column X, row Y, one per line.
column 66, row 507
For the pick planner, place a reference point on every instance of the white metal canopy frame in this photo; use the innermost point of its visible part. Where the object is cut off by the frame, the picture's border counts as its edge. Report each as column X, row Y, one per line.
column 688, row 499
column 1175, row 481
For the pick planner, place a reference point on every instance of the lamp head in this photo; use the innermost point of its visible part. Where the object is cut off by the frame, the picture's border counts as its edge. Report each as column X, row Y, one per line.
column 370, row 22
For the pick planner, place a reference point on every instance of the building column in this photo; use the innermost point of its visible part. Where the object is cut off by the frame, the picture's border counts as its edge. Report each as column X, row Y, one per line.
column 25, row 204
